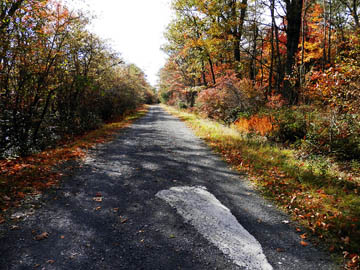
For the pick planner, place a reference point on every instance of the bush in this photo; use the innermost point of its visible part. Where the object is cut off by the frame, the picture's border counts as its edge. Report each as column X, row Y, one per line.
column 182, row 105
column 164, row 96
column 291, row 125
column 336, row 134
column 228, row 98
column 260, row 124
column 338, row 86
column 315, row 132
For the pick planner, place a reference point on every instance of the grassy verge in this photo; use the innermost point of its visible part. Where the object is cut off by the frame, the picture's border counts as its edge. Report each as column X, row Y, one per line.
column 32, row 174
column 315, row 194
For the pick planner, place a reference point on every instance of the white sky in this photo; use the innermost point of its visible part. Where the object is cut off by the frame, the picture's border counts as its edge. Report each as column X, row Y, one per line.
column 135, row 29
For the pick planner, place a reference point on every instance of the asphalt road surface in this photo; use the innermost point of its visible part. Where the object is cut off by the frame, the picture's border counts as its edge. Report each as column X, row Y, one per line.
column 155, row 198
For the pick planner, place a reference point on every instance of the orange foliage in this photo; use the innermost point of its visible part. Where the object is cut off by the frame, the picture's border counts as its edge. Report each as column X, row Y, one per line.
column 260, row 124
column 313, row 44
column 275, row 101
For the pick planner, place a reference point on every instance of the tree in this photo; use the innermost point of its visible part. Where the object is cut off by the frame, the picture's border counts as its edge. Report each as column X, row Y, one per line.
column 353, row 9
column 52, row 70
column 8, row 9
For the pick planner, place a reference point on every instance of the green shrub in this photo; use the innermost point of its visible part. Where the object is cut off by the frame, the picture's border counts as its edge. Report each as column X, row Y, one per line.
column 164, row 96
column 291, row 125
column 336, row 134
column 182, row 105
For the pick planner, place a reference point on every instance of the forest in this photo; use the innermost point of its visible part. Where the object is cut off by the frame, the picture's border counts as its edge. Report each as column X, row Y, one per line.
column 289, row 64
column 285, row 75
column 57, row 79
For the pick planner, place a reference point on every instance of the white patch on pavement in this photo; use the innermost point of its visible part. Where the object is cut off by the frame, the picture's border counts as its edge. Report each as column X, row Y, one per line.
column 215, row 222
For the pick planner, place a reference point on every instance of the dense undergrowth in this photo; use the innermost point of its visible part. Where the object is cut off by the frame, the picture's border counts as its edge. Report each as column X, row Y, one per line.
column 318, row 191
column 31, row 175
column 313, row 130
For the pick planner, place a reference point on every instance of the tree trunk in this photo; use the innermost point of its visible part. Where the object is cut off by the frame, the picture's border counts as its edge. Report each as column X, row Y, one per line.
column 203, row 73
column 329, row 33
column 212, row 70
column 238, row 30
column 302, row 67
column 253, row 63
column 324, row 60
column 355, row 13
column 293, row 17
column 272, row 56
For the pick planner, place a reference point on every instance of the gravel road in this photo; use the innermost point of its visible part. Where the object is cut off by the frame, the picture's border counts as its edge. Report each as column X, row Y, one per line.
column 107, row 215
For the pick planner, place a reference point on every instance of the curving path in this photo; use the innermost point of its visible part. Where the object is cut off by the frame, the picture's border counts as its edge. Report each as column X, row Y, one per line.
column 155, row 198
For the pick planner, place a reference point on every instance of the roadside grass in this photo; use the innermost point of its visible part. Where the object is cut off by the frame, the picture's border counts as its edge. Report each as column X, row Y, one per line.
column 33, row 174
column 316, row 194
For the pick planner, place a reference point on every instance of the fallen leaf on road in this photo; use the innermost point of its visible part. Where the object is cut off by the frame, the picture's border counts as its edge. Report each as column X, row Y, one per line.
column 14, row 227
column 303, row 236
column 50, row 261
column 62, row 237
column 98, row 199
column 116, row 209
column 280, row 250
column 303, row 243
column 42, row 236
column 123, row 219
column 298, row 229
column 98, row 208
